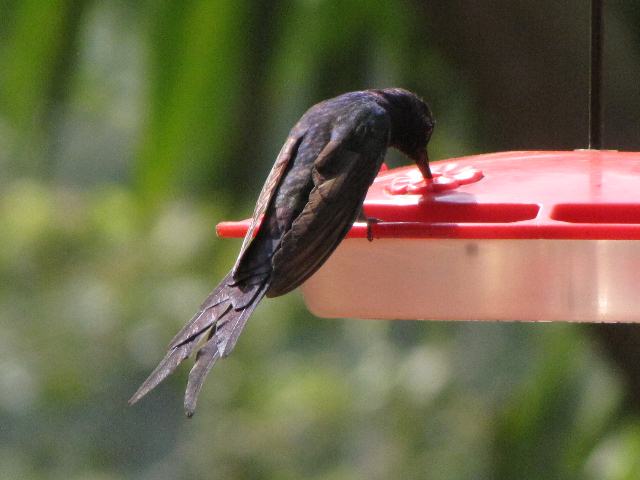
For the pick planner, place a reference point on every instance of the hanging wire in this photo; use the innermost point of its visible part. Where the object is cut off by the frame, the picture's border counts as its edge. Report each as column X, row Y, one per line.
column 595, row 81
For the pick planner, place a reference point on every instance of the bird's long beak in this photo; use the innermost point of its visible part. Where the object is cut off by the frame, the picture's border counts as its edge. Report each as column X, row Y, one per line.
column 423, row 164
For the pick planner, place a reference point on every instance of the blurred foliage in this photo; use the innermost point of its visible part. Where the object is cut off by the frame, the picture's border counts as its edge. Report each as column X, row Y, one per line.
column 127, row 129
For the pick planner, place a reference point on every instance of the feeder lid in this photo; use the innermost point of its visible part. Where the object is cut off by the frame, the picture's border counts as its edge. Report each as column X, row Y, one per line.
column 582, row 194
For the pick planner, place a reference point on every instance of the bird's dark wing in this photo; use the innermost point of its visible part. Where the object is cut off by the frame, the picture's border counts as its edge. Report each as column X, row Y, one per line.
column 287, row 153
column 341, row 174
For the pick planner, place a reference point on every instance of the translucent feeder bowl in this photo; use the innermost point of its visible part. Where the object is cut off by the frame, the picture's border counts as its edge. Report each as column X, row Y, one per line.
column 534, row 236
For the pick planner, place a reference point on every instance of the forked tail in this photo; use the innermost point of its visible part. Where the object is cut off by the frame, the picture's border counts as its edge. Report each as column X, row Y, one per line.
column 216, row 327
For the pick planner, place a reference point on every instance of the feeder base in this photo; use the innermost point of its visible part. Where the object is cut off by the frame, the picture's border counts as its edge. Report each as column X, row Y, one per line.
column 489, row 279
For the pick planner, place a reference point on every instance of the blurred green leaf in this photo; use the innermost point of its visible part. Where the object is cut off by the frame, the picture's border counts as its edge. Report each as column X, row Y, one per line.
column 37, row 59
column 195, row 64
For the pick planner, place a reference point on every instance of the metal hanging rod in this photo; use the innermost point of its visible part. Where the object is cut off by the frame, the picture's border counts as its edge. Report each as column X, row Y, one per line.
column 595, row 81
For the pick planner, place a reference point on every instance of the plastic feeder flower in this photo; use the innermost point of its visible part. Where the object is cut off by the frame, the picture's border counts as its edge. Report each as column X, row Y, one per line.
column 537, row 236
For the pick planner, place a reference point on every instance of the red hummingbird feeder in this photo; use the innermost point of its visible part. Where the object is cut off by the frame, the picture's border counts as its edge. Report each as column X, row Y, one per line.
column 532, row 235
column 537, row 236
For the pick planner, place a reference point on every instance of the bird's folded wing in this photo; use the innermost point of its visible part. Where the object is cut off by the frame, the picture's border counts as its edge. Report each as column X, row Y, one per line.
column 341, row 178
column 283, row 160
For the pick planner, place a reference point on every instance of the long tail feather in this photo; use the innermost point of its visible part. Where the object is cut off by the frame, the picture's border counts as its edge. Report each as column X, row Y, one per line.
column 229, row 328
column 169, row 363
column 222, row 342
column 223, row 315
column 207, row 357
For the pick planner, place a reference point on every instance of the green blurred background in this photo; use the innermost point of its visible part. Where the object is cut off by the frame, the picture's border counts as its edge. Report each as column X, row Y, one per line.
column 129, row 128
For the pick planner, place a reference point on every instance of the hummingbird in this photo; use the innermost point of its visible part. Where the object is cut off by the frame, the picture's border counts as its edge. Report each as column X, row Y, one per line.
column 310, row 200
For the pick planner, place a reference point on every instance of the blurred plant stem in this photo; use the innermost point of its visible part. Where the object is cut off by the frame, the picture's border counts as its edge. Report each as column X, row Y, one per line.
column 38, row 62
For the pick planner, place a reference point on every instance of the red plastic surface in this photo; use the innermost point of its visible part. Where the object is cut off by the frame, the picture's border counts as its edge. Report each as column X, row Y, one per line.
column 582, row 194
column 451, row 176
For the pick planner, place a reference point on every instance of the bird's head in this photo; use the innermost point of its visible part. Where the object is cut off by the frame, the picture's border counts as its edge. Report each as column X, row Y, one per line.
column 412, row 124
